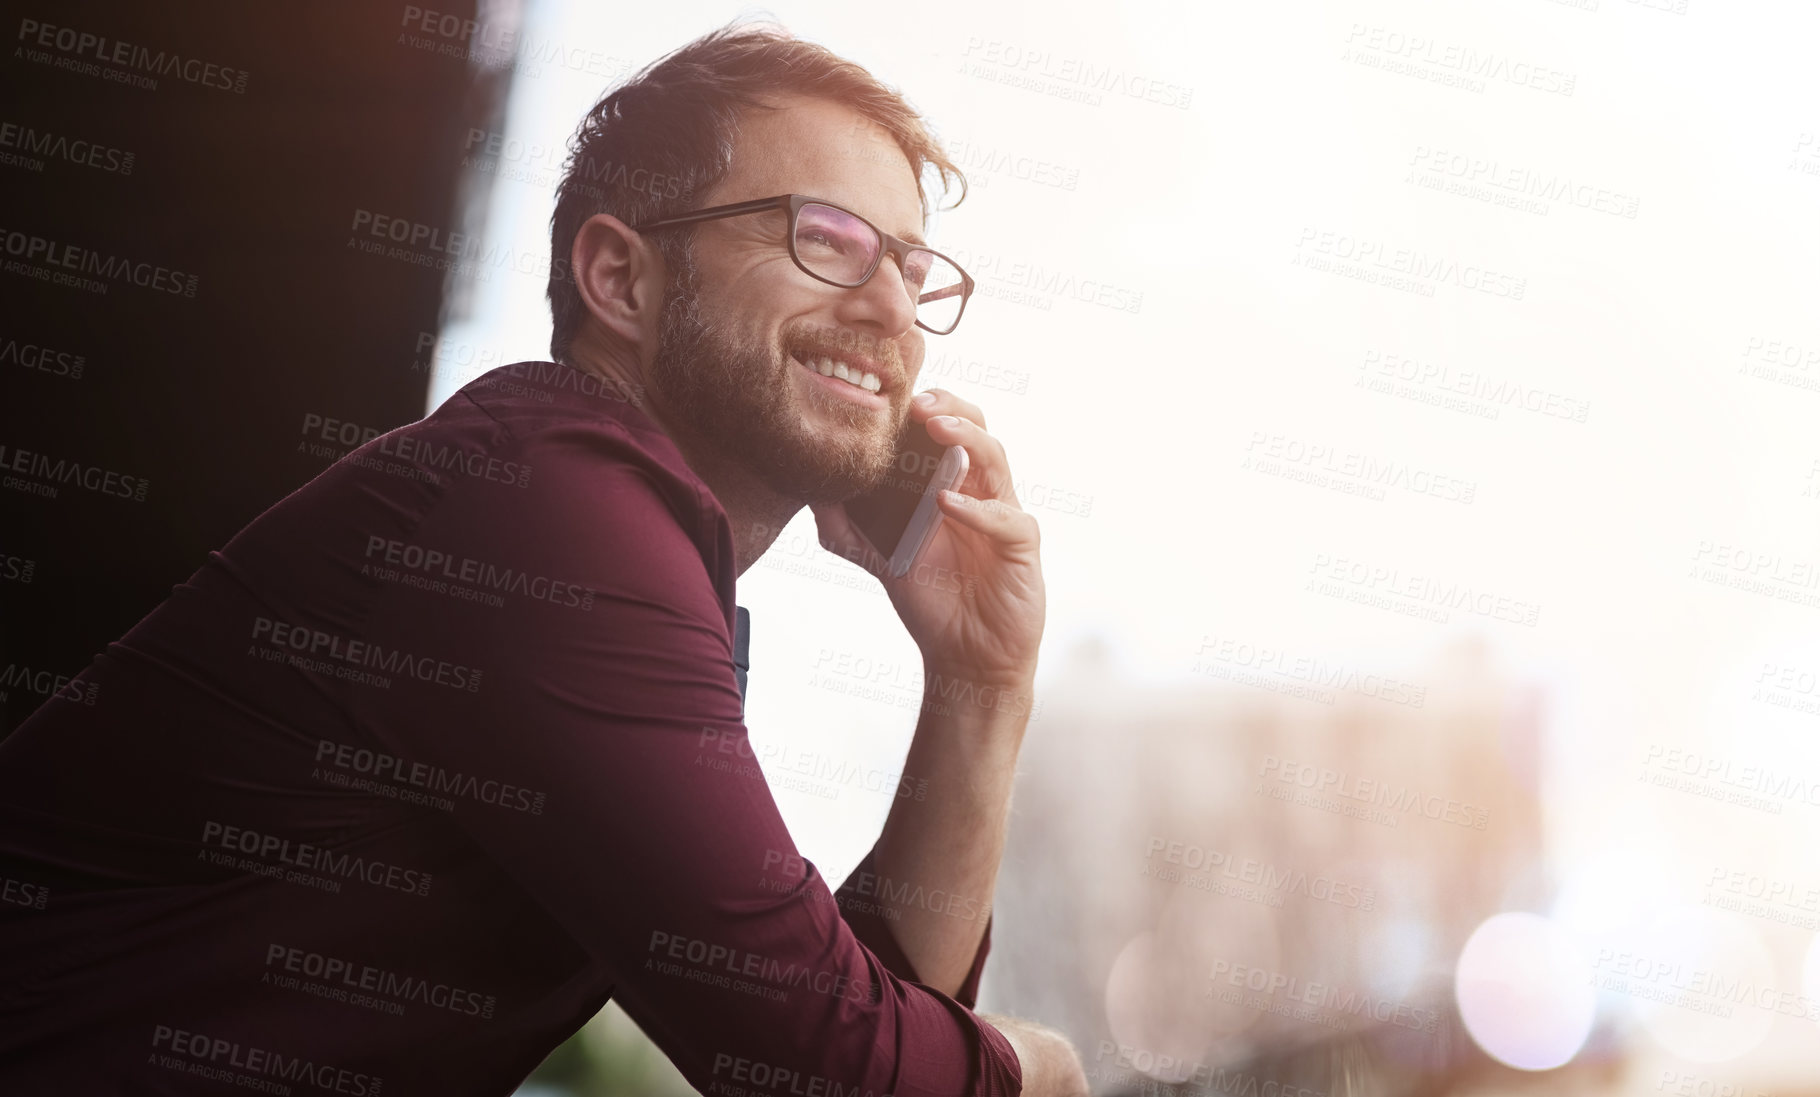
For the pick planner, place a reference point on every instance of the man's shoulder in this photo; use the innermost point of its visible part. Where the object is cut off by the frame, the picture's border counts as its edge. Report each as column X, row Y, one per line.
column 545, row 449
column 556, row 385
column 567, row 420
column 597, row 490
column 526, row 397
column 587, row 445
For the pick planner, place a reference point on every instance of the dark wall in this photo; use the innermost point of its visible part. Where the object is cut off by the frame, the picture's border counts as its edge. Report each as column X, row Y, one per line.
column 154, row 408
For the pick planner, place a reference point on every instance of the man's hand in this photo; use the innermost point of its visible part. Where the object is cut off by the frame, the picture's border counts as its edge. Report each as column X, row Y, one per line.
column 979, row 664
column 1051, row 1066
column 986, row 632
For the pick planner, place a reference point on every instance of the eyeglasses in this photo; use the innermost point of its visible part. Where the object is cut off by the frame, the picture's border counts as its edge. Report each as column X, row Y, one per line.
column 835, row 245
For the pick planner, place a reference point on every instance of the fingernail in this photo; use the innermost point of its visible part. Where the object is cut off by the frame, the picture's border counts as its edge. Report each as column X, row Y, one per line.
column 924, row 399
column 945, row 420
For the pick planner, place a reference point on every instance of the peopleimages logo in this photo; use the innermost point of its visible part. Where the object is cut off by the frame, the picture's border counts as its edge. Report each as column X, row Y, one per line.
column 1319, row 1003
column 434, row 569
column 42, row 359
column 381, row 766
column 18, row 569
column 1031, row 283
column 87, row 54
column 542, row 165
column 1076, row 78
column 46, row 684
column 429, row 245
column 1258, row 664
column 1397, row 797
column 1447, row 63
column 726, row 967
column 1480, row 392
column 24, row 894
column 497, row 44
column 1318, row 463
column 225, row 1060
column 61, row 259
column 776, row 1079
column 977, row 159
column 265, row 849
column 1414, row 594
column 29, row 142
column 1129, row 1060
column 313, row 646
column 1516, row 186
column 41, row 474
column 1248, row 870
column 1710, row 991
column 543, row 380
column 346, row 980
column 473, row 463
column 1320, row 249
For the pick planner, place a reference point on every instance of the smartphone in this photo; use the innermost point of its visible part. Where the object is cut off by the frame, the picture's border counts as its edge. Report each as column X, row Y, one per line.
column 900, row 516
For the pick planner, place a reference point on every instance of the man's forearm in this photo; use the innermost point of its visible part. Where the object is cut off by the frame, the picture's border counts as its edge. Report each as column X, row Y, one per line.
column 1048, row 1062
column 938, row 857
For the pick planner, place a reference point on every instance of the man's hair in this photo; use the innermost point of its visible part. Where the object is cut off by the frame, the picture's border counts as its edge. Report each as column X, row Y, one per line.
column 666, row 136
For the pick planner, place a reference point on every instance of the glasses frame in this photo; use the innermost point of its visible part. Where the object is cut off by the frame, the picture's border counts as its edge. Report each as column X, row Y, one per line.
column 889, row 245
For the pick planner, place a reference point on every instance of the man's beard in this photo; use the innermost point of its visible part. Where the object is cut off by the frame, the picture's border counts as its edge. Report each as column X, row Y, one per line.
column 732, row 394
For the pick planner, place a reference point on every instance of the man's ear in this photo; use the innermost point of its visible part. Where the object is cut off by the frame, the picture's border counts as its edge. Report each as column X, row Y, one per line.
column 620, row 277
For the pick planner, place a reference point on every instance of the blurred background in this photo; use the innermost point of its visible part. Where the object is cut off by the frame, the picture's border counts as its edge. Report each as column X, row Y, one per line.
column 1419, row 400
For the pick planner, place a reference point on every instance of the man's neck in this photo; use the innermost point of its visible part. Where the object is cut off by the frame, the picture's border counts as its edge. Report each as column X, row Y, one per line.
column 755, row 513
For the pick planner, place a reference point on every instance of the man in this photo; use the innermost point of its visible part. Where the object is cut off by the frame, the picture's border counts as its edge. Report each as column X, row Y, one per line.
column 446, row 749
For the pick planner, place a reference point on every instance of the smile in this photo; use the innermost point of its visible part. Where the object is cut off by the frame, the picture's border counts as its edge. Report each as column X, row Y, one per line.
column 843, row 380
column 841, row 371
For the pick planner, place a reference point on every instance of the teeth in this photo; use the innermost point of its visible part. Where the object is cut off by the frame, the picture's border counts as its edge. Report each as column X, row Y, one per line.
column 829, row 367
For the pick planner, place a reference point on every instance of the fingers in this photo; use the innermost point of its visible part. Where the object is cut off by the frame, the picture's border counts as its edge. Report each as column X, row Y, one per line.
column 945, row 403
column 989, row 469
column 1000, row 520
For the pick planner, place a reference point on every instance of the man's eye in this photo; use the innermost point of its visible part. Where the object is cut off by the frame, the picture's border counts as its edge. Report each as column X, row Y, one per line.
column 821, row 239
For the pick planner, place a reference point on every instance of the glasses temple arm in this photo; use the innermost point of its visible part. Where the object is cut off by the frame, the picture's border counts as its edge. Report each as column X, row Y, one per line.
column 713, row 213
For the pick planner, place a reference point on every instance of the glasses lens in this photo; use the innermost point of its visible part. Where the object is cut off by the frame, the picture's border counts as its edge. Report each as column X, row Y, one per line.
column 835, row 244
column 937, row 286
column 838, row 246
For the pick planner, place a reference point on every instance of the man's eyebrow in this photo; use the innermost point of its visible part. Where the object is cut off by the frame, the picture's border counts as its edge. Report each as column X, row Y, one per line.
column 913, row 237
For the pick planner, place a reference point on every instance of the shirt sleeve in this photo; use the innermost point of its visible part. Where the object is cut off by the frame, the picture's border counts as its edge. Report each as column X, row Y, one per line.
column 857, row 899
column 650, row 835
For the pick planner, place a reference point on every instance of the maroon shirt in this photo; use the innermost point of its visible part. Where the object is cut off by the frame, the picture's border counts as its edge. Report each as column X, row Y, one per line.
column 436, row 756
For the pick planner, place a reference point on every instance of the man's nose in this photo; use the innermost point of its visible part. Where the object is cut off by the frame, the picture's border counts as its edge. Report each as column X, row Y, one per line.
column 883, row 303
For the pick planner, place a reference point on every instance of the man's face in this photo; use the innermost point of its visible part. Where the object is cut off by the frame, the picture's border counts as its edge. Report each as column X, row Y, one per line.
column 742, row 319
